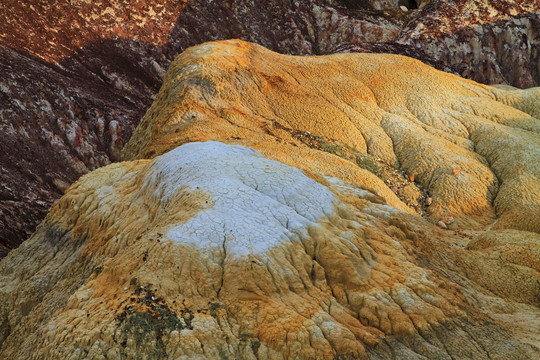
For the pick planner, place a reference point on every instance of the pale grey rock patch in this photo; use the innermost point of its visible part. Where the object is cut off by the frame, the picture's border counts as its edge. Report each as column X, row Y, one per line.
column 258, row 203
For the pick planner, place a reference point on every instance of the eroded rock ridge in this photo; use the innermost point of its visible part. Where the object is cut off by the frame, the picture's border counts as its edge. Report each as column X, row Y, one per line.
column 76, row 77
column 242, row 226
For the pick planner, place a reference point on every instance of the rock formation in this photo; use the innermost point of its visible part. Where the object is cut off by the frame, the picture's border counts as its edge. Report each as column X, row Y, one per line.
column 493, row 42
column 76, row 77
column 272, row 242
column 394, row 108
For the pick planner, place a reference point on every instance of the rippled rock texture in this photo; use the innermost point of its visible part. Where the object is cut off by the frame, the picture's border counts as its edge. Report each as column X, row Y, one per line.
column 475, row 148
column 76, row 77
column 262, row 245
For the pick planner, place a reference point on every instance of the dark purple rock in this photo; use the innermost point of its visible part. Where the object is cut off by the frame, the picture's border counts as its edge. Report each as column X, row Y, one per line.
column 491, row 42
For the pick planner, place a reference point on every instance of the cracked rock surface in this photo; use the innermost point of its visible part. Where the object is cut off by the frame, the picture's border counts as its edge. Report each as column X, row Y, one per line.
column 125, row 266
column 395, row 108
column 252, row 198
column 224, row 234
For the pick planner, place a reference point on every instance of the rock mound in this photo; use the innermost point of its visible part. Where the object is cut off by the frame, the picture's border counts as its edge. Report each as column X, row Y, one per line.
column 211, row 250
column 397, row 109
column 72, row 91
column 272, row 242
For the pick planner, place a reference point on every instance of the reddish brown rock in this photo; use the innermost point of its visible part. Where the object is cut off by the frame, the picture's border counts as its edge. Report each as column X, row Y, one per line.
column 56, row 125
column 77, row 77
column 492, row 42
column 71, row 92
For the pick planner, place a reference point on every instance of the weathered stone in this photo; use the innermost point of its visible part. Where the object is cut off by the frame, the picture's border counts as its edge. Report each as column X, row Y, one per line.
column 78, row 75
column 207, row 249
column 392, row 107
column 221, row 252
column 492, row 42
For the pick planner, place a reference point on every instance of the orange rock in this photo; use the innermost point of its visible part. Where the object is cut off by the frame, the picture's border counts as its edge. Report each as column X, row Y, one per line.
column 242, row 93
column 410, row 176
column 215, row 250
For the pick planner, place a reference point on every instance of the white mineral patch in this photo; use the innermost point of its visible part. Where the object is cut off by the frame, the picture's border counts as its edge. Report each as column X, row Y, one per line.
column 381, row 211
column 258, row 203
column 376, row 210
column 345, row 188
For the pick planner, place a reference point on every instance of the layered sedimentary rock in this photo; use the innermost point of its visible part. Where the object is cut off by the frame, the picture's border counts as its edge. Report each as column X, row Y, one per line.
column 55, row 127
column 493, row 42
column 262, row 246
column 76, row 77
column 73, row 86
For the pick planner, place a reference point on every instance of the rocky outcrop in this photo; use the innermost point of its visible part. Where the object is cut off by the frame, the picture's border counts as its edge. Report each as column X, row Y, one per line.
column 489, row 42
column 55, row 127
column 473, row 147
column 73, row 86
column 76, row 77
column 212, row 250
column 263, row 245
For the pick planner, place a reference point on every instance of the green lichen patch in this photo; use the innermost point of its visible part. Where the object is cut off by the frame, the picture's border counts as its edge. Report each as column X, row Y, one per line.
column 147, row 319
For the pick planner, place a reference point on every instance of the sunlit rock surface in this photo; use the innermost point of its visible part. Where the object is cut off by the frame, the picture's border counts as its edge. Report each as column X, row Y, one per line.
column 225, row 234
column 427, row 122
column 76, row 77
column 142, row 259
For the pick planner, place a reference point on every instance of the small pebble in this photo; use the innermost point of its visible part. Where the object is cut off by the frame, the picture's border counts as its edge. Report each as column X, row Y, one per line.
column 125, row 288
column 441, row 224
column 428, row 201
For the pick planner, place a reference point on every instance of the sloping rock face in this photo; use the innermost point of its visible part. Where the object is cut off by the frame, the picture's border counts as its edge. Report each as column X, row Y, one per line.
column 73, row 86
column 211, row 250
column 55, row 127
column 262, row 246
column 429, row 123
column 76, row 77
